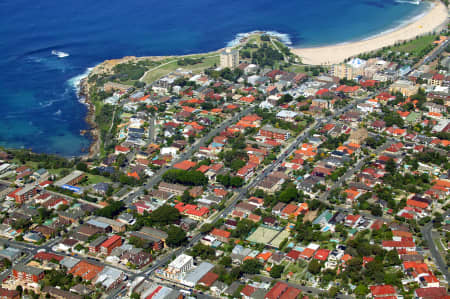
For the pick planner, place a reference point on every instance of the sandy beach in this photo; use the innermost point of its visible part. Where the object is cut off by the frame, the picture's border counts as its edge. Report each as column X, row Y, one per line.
column 432, row 20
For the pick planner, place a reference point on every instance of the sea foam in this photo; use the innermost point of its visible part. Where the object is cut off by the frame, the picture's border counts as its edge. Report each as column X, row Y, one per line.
column 75, row 82
column 283, row 37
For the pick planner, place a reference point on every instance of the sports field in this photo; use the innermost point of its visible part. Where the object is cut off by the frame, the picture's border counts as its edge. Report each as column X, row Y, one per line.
column 262, row 235
column 278, row 239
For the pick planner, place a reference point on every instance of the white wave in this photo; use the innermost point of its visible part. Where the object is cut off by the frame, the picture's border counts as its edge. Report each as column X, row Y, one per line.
column 75, row 81
column 60, row 54
column 75, row 84
column 58, row 112
column 283, row 37
column 416, row 2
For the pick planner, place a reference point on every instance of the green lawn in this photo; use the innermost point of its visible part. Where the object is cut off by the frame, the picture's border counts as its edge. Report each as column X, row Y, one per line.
column 297, row 68
column 95, row 179
column 415, row 46
column 171, row 65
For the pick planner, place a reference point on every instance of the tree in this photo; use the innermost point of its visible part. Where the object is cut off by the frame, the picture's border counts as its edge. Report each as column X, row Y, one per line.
column 176, row 236
column 252, row 266
column 288, row 195
column 186, row 197
column 362, row 290
column 276, row 271
column 206, row 228
column 392, row 258
column 243, row 228
column 314, row 267
column 225, row 261
column 203, row 251
column 112, row 209
column 164, row 215
column 376, row 210
column 82, row 166
column 391, row 166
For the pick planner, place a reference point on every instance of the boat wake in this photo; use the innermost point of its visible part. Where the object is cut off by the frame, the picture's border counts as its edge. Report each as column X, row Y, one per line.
column 60, row 54
column 283, row 37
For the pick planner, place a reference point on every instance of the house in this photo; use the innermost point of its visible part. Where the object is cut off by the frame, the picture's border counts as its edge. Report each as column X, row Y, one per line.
column 208, row 279
column 307, row 253
column 408, row 245
column 292, row 255
column 431, row 293
column 193, row 211
column 185, row 165
column 9, row 294
column 48, row 257
column 221, row 235
column 247, row 292
column 176, row 189
column 380, row 291
column 322, row 254
column 121, row 150
column 353, row 220
column 282, row 290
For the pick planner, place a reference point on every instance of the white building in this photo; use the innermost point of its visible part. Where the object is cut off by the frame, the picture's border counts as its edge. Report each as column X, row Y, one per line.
column 181, row 264
column 229, row 58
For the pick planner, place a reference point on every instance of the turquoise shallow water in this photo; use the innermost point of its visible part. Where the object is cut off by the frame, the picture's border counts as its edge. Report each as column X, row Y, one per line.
column 39, row 107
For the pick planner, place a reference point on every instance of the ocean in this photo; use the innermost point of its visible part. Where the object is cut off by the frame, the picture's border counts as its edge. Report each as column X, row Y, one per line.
column 47, row 46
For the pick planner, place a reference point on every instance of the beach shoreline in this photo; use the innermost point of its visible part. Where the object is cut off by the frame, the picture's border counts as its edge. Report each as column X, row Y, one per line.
column 433, row 20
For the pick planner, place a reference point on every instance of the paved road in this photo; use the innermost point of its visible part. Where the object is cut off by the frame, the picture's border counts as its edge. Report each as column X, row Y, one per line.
column 155, row 179
column 427, row 235
column 305, row 289
column 242, row 192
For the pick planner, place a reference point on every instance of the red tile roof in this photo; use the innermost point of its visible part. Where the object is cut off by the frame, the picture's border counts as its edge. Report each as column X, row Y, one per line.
column 185, row 165
column 276, row 291
column 248, row 290
column 48, row 256
column 382, row 290
column 208, row 279
column 322, row 254
column 110, row 241
column 220, row 233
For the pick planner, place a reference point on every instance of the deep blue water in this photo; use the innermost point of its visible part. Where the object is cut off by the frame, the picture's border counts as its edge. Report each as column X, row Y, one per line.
column 39, row 107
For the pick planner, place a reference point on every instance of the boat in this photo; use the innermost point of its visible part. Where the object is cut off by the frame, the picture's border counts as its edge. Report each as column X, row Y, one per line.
column 60, row 54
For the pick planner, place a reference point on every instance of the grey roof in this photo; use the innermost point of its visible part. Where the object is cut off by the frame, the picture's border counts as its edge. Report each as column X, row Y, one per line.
column 326, row 215
column 109, row 222
column 154, row 232
column 275, row 130
column 98, row 241
column 108, row 276
column 99, row 224
column 69, row 262
column 28, row 269
column 232, row 288
column 10, row 253
column 200, row 271
column 101, row 186
column 75, row 174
